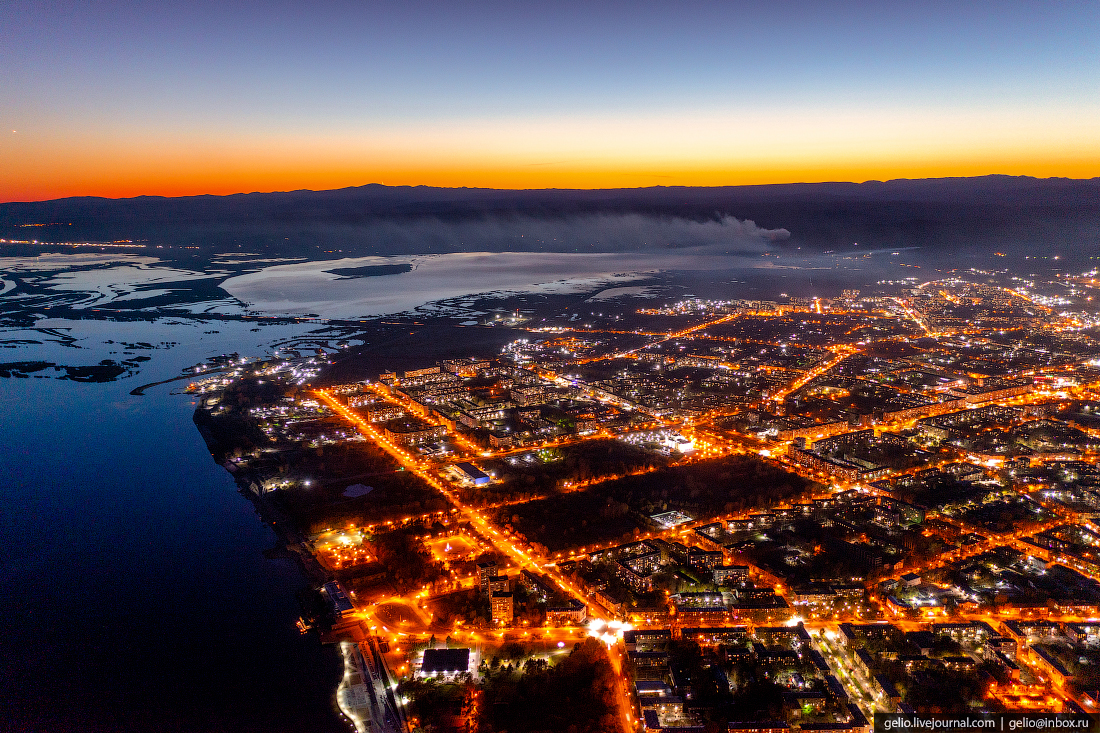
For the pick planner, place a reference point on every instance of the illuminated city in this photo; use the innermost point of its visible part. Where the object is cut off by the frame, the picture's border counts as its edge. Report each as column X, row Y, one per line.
column 828, row 507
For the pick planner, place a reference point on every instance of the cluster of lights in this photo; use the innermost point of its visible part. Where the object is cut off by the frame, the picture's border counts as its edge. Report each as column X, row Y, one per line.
column 609, row 632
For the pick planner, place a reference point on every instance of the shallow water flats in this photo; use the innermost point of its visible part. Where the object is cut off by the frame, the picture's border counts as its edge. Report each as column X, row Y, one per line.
column 640, row 291
column 133, row 283
column 83, row 344
column 355, row 288
column 318, row 288
column 53, row 262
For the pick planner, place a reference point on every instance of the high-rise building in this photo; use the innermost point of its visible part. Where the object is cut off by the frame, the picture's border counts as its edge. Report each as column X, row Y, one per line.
column 485, row 571
column 503, row 607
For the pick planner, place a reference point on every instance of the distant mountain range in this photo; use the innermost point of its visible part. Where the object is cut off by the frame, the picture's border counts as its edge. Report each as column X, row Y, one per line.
column 1002, row 211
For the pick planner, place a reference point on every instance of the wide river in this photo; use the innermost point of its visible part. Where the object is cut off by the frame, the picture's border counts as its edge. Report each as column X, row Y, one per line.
column 135, row 591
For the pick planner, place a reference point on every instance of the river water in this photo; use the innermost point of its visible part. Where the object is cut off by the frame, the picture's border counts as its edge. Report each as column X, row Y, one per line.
column 135, row 592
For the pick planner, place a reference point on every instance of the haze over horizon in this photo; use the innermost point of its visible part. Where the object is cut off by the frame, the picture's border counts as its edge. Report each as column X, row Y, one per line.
column 550, row 190
column 121, row 99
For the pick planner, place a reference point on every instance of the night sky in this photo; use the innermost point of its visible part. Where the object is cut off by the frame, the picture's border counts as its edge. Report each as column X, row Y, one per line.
column 128, row 98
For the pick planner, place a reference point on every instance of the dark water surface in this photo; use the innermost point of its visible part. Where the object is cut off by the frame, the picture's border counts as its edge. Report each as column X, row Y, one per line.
column 135, row 594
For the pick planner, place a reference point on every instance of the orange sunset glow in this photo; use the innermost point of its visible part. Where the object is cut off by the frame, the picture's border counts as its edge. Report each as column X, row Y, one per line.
column 792, row 145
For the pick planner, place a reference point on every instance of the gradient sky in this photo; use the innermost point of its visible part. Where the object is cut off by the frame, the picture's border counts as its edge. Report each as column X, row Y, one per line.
column 126, row 98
